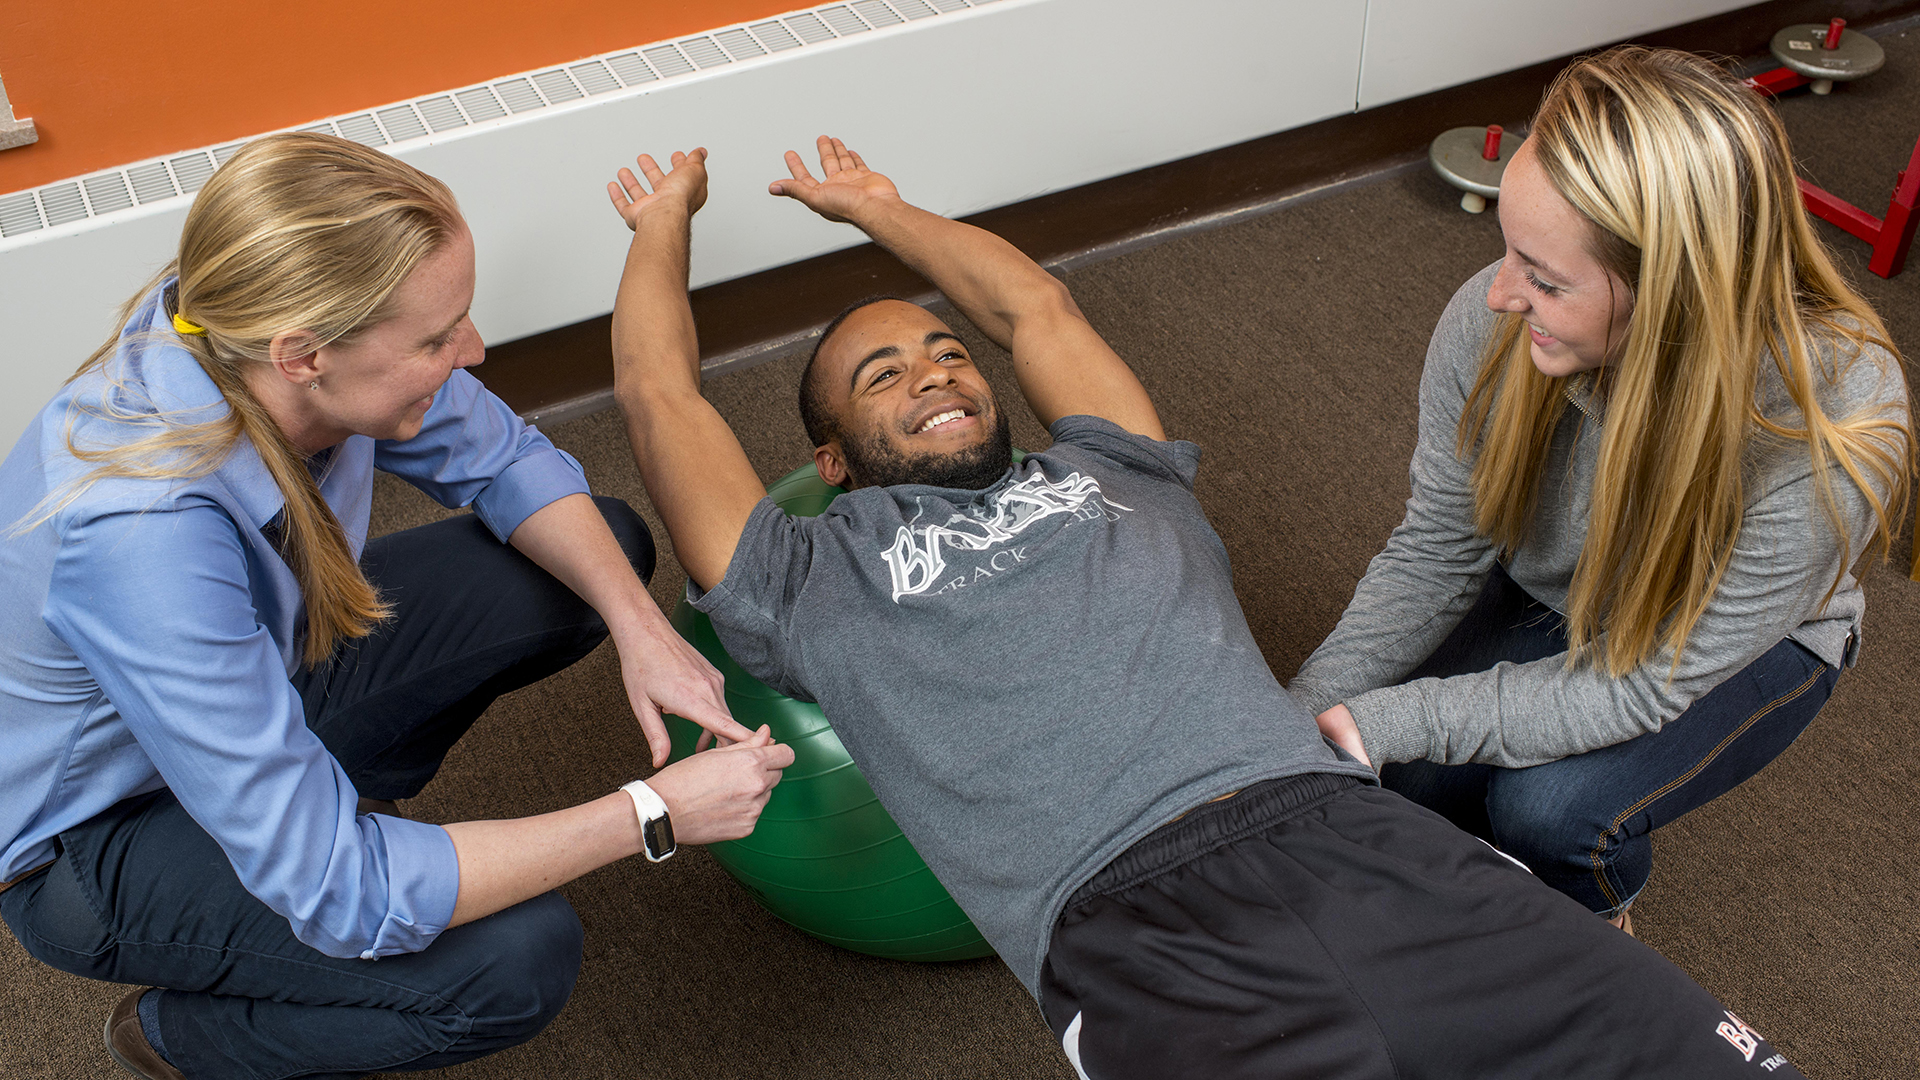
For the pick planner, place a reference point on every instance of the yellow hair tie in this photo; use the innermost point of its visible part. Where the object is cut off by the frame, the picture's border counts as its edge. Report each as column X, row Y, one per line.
column 181, row 324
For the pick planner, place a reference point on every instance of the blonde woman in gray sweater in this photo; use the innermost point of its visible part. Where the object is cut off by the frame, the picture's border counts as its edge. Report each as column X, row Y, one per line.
column 1654, row 438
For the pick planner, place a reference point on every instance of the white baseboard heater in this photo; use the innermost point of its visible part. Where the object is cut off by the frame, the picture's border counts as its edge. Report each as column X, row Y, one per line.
column 967, row 104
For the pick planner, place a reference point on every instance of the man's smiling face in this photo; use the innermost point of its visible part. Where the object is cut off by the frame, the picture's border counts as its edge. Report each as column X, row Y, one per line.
column 911, row 407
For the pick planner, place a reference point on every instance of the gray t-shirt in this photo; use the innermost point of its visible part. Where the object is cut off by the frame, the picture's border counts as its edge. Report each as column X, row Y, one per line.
column 1033, row 676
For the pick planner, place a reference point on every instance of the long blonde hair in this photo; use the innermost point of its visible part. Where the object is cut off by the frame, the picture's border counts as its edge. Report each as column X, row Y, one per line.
column 1685, row 175
column 297, row 231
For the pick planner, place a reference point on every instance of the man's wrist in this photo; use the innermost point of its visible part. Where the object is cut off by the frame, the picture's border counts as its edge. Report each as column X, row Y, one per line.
column 662, row 212
column 876, row 210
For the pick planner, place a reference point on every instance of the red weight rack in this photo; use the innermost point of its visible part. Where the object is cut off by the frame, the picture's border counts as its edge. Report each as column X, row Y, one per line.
column 1891, row 237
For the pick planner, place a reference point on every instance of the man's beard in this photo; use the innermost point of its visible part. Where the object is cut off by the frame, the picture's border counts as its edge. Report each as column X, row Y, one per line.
column 872, row 461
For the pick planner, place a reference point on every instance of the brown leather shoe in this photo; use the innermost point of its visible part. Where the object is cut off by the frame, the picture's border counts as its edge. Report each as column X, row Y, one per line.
column 128, row 1045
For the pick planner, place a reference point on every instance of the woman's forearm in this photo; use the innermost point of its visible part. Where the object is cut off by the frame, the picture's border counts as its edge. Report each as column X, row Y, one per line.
column 570, row 540
column 712, row 795
column 505, row 862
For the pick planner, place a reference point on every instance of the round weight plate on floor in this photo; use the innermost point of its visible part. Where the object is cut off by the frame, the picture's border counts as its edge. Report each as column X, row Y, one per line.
column 1802, row 50
column 1456, row 156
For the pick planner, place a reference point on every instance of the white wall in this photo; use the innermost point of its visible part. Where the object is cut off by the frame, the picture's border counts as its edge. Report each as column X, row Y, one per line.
column 1417, row 46
column 966, row 109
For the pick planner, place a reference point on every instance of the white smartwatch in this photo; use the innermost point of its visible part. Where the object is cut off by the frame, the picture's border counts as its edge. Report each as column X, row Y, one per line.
column 656, row 828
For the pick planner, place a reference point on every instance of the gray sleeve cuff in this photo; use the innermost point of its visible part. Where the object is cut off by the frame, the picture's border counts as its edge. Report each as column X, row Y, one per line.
column 1393, row 724
column 1312, row 696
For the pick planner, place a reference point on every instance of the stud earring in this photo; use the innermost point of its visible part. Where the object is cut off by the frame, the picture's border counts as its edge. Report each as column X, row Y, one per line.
column 314, row 385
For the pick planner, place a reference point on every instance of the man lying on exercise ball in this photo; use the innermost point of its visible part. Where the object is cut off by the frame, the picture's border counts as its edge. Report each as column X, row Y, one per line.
column 1043, row 671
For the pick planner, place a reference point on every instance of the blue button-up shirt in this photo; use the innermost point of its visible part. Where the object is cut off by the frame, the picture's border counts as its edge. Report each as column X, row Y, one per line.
column 148, row 630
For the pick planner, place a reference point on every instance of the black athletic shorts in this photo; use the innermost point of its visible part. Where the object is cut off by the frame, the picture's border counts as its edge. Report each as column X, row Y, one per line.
column 1320, row 927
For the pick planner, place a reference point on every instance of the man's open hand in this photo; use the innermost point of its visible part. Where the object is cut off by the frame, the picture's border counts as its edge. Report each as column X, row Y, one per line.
column 846, row 184
column 685, row 182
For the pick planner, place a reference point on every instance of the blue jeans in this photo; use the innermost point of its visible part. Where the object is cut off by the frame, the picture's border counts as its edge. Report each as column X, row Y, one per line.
column 141, row 894
column 1583, row 823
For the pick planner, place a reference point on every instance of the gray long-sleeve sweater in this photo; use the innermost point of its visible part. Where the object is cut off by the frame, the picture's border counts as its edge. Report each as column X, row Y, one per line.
column 1416, row 591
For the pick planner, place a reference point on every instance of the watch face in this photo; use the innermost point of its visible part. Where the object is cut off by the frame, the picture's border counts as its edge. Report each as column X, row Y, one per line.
column 657, row 834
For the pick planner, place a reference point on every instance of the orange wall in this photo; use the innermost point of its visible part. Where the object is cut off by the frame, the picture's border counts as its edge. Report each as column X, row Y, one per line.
column 108, row 82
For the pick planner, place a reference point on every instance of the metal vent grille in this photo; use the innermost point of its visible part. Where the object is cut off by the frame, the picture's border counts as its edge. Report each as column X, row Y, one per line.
column 667, row 61
column 776, row 36
column 191, row 171
column 631, row 68
column 557, row 86
column 151, row 182
column 877, row 13
column 180, row 175
column 402, row 123
column 480, row 104
column 441, row 114
column 810, row 27
column 843, row 21
column 594, row 77
column 360, row 129
column 107, row 192
column 518, row 95
column 740, row 44
column 19, row 213
column 704, row 53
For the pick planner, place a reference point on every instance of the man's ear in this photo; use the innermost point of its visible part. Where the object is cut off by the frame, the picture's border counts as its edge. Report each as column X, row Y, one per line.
column 294, row 353
column 832, row 466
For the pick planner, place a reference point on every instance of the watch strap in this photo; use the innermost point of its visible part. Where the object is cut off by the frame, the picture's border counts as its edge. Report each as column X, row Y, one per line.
column 656, row 826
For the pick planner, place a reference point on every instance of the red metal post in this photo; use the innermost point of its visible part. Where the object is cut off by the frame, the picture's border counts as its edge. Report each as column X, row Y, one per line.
column 1492, row 150
column 1896, row 232
column 1822, row 203
column 1891, row 237
column 1778, row 81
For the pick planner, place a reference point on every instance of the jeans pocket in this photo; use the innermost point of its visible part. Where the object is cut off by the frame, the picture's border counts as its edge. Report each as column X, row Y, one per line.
column 59, row 925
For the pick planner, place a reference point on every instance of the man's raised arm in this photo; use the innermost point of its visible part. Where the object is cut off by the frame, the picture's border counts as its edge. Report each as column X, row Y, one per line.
column 1063, row 365
column 695, row 472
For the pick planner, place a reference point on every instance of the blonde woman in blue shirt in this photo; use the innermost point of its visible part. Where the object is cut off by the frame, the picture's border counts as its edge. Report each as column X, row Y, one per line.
column 215, row 686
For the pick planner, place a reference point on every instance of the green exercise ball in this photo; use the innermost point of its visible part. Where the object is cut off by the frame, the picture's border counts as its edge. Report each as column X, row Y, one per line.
column 825, row 856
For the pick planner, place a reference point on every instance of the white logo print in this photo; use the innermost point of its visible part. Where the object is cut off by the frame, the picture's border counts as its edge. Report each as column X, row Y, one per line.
column 1744, row 1039
column 915, row 557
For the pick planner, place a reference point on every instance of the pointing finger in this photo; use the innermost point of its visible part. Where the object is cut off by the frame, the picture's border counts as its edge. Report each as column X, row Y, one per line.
column 716, row 719
column 656, row 732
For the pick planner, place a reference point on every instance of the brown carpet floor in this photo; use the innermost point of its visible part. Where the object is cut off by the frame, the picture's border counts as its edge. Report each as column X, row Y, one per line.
column 1289, row 346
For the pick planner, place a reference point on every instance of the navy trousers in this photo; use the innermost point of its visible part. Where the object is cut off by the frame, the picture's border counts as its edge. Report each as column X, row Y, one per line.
column 1584, row 823
column 140, row 894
